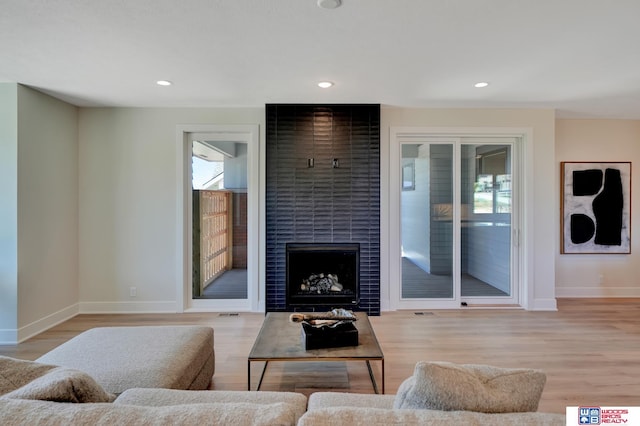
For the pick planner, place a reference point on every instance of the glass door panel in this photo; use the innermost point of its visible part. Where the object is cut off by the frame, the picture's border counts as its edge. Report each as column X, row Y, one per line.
column 220, row 189
column 426, row 209
column 485, row 226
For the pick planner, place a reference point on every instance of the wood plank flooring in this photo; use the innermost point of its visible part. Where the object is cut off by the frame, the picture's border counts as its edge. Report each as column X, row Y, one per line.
column 590, row 348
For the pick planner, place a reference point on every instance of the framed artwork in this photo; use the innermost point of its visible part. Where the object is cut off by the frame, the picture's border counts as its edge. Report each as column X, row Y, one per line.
column 596, row 207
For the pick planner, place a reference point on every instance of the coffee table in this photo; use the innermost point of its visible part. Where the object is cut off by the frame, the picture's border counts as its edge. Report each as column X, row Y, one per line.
column 280, row 340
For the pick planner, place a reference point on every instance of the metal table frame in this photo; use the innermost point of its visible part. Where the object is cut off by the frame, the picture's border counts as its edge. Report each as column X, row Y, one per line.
column 280, row 340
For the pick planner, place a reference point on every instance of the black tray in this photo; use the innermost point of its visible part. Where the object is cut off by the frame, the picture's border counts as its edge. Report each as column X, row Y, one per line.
column 344, row 334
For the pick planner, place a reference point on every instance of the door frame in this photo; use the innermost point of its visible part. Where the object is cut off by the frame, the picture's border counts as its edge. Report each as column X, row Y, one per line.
column 520, row 233
column 248, row 134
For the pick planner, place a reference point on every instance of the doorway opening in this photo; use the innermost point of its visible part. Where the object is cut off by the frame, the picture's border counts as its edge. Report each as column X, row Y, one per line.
column 218, row 262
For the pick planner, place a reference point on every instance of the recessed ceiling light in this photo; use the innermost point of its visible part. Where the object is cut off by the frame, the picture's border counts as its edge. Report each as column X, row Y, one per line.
column 481, row 84
column 329, row 4
column 163, row 83
column 325, row 84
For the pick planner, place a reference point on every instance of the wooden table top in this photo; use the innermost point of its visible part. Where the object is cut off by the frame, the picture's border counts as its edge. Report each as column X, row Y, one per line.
column 281, row 339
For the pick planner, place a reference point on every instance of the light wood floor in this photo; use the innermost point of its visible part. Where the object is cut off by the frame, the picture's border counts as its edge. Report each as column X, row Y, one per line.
column 590, row 348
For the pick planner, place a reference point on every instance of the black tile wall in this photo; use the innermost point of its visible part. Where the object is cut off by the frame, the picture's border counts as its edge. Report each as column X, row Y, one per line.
column 323, row 203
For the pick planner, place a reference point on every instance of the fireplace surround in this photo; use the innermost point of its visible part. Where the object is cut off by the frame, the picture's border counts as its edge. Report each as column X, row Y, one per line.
column 323, row 186
column 322, row 274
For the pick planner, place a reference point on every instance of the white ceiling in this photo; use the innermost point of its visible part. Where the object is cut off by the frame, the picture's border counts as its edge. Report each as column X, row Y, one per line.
column 580, row 57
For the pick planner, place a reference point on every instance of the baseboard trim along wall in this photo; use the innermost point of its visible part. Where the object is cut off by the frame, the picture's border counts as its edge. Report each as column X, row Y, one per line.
column 128, row 307
column 597, row 292
column 543, row 305
column 12, row 337
column 15, row 336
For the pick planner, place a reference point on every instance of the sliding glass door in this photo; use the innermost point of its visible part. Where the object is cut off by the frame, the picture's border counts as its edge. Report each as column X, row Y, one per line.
column 456, row 209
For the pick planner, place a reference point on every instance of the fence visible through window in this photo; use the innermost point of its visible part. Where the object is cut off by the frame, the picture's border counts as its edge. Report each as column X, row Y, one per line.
column 216, row 234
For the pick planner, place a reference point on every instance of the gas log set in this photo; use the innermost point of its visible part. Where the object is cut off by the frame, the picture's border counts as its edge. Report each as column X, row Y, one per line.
column 321, row 284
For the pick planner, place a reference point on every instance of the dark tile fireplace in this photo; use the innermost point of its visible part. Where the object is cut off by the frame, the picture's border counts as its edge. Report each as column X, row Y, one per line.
column 326, row 275
column 322, row 188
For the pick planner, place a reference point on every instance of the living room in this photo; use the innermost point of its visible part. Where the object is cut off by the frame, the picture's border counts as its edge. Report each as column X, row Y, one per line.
column 92, row 206
column 109, row 177
column 112, row 224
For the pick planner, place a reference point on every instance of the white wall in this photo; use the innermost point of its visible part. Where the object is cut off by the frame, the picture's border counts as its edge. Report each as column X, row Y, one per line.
column 128, row 199
column 592, row 275
column 543, row 201
column 38, row 213
column 8, row 213
column 235, row 169
column 47, row 211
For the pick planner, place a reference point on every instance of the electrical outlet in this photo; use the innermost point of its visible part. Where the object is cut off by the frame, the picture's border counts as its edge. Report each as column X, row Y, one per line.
column 133, row 292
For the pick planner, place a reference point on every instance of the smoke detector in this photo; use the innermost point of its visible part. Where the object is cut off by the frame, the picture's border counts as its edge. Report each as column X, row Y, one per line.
column 329, row 4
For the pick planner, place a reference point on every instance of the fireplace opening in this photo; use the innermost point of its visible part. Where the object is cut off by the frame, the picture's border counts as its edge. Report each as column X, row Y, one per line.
column 322, row 274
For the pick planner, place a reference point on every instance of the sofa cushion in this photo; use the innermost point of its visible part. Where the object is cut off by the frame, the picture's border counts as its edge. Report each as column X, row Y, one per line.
column 165, row 397
column 482, row 388
column 21, row 379
column 359, row 416
column 22, row 412
column 342, row 399
column 120, row 358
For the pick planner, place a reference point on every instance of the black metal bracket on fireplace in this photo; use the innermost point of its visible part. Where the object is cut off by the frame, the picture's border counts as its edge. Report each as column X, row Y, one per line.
column 322, row 275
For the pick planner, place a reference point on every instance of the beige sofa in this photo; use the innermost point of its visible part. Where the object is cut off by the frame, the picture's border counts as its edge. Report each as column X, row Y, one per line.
column 120, row 358
column 336, row 408
column 442, row 393
column 145, row 406
column 33, row 393
column 164, row 406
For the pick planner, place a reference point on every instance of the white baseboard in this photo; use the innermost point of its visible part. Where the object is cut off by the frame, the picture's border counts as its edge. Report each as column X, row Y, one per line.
column 12, row 337
column 544, row 305
column 127, row 307
column 597, row 292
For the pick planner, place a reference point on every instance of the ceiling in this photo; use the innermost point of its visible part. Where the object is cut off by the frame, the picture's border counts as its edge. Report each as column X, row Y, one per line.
column 580, row 57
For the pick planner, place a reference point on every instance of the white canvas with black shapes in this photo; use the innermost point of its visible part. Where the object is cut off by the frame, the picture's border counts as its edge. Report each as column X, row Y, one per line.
column 596, row 207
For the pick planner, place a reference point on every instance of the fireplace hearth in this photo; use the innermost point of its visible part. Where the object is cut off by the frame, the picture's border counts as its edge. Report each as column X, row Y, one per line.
column 322, row 275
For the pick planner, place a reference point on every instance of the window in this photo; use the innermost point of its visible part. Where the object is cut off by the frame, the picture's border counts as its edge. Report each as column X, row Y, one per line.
column 492, row 187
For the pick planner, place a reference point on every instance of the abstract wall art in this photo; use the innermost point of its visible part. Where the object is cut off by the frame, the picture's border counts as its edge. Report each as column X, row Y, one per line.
column 596, row 207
